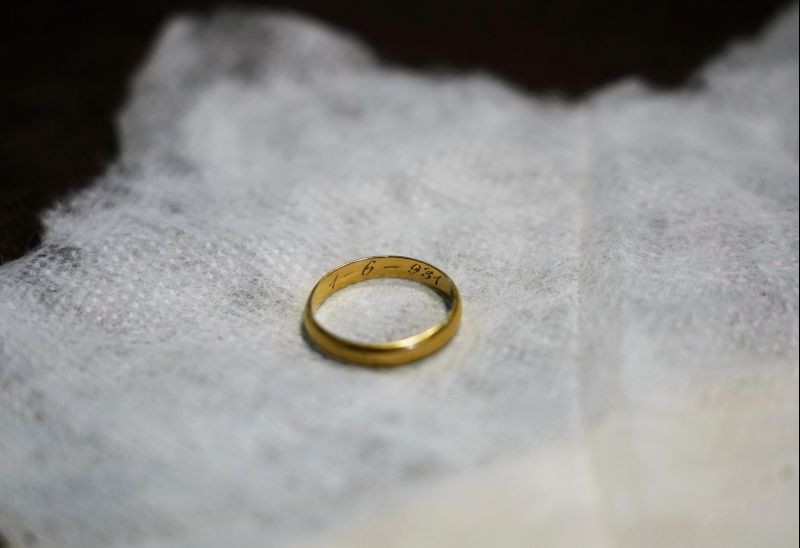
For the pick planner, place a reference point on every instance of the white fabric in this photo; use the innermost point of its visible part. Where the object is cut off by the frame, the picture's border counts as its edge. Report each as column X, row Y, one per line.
column 626, row 373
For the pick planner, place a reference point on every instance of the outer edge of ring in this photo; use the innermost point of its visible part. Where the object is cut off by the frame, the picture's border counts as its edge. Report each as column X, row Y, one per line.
column 388, row 353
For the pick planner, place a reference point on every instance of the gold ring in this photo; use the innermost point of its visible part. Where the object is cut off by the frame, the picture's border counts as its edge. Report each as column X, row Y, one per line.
column 391, row 352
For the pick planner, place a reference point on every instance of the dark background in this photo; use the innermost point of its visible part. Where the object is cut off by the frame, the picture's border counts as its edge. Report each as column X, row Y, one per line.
column 65, row 66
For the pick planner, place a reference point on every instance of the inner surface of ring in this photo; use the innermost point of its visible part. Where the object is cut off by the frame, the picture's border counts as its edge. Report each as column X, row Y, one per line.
column 382, row 267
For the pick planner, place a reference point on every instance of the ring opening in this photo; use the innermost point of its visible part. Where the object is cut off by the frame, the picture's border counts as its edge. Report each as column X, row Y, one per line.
column 382, row 310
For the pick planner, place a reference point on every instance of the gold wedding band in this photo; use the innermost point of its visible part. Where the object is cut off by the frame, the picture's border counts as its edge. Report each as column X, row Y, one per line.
column 391, row 352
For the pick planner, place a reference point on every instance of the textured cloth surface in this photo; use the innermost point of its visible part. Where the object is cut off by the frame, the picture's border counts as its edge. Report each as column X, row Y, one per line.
column 626, row 373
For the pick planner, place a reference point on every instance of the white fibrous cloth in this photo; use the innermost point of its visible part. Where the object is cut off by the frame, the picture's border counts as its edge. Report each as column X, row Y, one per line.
column 626, row 373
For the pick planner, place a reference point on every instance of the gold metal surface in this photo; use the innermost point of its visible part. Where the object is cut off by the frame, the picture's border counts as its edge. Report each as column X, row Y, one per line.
column 383, row 354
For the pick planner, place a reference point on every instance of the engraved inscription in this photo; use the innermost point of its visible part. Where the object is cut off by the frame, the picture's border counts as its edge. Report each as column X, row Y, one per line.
column 368, row 268
column 426, row 273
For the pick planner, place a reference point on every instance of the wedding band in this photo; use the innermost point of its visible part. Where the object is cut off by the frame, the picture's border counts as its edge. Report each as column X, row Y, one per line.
column 388, row 353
